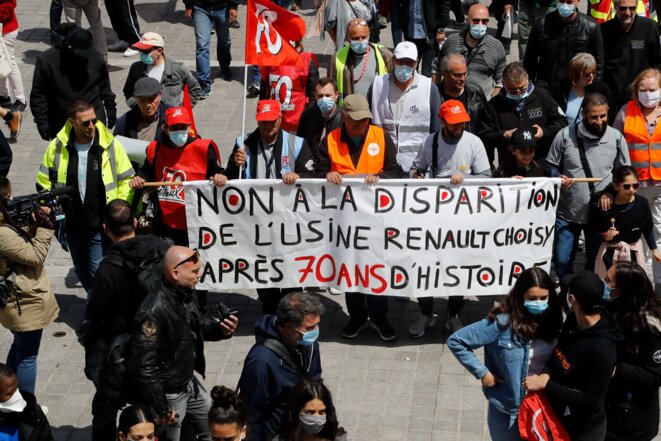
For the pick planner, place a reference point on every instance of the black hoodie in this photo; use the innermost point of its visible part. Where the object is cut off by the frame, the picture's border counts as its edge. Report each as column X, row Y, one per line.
column 581, row 369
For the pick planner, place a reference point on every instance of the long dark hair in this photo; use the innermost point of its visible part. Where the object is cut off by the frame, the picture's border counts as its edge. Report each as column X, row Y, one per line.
column 509, row 168
column 133, row 415
column 227, row 407
column 304, row 392
column 635, row 304
column 527, row 326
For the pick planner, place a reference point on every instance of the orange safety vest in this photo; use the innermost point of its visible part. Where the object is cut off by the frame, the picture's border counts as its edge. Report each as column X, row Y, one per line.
column 601, row 10
column 173, row 164
column 644, row 151
column 371, row 159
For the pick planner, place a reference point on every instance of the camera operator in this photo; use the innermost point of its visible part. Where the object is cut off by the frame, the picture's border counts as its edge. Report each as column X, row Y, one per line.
column 27, row 302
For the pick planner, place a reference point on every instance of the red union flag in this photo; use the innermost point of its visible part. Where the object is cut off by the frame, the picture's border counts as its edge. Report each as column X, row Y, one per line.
column 269, row 30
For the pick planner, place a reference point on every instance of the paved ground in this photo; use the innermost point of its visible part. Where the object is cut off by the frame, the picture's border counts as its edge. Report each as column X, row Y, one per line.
column 406, row 390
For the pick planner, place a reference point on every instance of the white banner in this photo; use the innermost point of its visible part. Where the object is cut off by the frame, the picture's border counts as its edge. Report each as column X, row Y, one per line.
column 409, row 238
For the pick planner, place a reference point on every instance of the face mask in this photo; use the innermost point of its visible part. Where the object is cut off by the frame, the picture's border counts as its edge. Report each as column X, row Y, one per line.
column 309, row 338
column 179, row 137
column 312, row 424
column 536, row 307
column 403, row 73
column 513, row 97
column 326, row 105
column 359, row 47
column 607, row 292
column 14, row 404
column 649, row 99
column 146, row 58
column 565, row 10
column 478, row 31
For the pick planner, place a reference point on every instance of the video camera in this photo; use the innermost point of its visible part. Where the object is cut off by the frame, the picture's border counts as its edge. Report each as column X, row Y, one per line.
column 21, row 208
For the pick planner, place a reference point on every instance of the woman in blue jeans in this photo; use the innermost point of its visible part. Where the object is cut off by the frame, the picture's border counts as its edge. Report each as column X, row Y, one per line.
column 518, row 337
column 31, row 304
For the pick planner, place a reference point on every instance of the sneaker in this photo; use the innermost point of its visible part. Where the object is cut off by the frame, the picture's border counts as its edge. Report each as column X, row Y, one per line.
column 18, row 106
column 335, row 292
column 235, row 24
column 225, row 73
column 453, row 324
column 253, row 90
column 386, row 332
column 118, row 46
column 5, row 102
column 130, row 52
column 417, row 329
column 353, row 328
column 15, row 126
column 206, row 91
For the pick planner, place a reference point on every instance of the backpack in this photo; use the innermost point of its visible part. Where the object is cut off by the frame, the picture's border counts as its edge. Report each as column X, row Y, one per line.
column 538, row 421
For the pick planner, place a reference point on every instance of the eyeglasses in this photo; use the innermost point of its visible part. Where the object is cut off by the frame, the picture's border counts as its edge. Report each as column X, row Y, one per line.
column 628, row 186
column 628, row 8
column 592, row 73
column 194, row 258
column 480, row 21
column 89, row 122
column 518, row 91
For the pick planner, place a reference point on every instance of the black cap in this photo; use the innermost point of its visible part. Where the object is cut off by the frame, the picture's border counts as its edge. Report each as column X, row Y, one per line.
column 146, row 87
column 523, row 138
column 588, row 289
column 81, row 43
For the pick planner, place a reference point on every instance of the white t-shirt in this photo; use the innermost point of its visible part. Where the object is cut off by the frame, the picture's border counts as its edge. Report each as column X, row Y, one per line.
column 156, row 72
column 83, row 151
column 468, row 156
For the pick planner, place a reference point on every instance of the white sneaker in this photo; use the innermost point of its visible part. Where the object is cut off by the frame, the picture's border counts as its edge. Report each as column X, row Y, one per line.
column 130, row 52
column 118, row 46
column 453, row 324
column 417, row 329
column 335, row 292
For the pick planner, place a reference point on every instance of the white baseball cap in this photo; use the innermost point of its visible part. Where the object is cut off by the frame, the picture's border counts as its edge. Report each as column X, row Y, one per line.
column 406, row 49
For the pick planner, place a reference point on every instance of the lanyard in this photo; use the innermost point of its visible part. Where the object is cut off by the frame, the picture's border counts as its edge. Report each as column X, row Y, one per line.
column 362, row 72
column 268, row 162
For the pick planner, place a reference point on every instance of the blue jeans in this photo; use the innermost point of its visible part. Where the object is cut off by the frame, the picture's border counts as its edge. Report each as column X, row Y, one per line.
column 203, row 19
column 396, row 22
column 566, row 243
column 502, row 427
column 86, row 248
column 22, row 358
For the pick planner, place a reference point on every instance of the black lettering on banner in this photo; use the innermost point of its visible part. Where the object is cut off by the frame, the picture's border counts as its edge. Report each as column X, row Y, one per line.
column 211, row 204
column 241, row 269
column 383, row 200
column 483, row 196
column 318, row 234
column 208, row 272
column 254, row 196
column 515, row 270
column 300, row 198
column 347, row 198
column 233, row 200
column 206, row 238
column 258, row 241
column 391, row 234
column 225, row 238
column 411, row 238
column 405, row 190
column 399, row 277
column 284, row 234
column 463, row 200
column 449, row 271
column 357, row 237
column 444, row 195
column 422, row 202
column 502, row 198
column 324, row 204
column 275, row 264
column 260, row 268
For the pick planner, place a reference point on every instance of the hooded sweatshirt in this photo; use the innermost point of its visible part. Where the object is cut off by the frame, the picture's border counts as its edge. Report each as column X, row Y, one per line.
column 581, row 369
column 267, row 379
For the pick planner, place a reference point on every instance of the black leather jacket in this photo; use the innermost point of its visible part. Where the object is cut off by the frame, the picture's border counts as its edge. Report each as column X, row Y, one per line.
column 168, row 344
column 475, row 103
column 552, row 44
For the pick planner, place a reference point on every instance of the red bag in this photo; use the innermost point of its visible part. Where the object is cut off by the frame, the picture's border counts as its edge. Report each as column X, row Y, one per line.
column 538, row 421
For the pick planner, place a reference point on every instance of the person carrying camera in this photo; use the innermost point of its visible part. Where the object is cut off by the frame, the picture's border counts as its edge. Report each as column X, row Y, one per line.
column 168, row 345
column 27, row 302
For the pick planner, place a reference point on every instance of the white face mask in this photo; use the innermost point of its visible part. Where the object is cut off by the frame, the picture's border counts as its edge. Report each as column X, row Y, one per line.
column 14, row 404
column 649, row 99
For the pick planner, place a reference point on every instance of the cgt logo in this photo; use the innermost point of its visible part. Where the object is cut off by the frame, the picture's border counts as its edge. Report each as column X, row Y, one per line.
column 637, row 44
column 172, row 194
column 535, row 113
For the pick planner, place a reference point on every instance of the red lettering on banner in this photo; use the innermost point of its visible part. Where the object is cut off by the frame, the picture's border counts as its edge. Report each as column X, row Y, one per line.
column 368, row 277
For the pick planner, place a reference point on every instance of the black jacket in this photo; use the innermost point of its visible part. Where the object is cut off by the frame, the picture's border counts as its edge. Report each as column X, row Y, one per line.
column 60, row 77
column 475, row 103
column 127, row 124
column 312, row 124
column 502, row 115
column 560, row 92
column 628, row 54
column 552, row 44
column 632, row 404
column 212, row 5
column 32, row 423
column 436, row 14
column 581, row 367
column 168, row 344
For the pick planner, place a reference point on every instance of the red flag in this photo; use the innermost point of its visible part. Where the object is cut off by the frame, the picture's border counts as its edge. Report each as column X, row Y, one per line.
column 269, row 30
column 189, row 107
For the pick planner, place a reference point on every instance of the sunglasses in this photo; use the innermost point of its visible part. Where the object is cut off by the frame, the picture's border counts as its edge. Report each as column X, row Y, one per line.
column 89, row 122
column 518, row 91
column 628, row 186
column 628, row 8
column 194, row 258
column 480, row 21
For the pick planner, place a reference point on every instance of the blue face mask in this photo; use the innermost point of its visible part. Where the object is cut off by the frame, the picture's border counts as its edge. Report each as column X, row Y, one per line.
column 565, row 10
column 513, row 97
column 403, row 73
column 146, row 58
column 536, row 307
column 309, row 338
column 359, row 47
column 179, row 137
column 478, row 31
column 607, row 292
column 326, row 105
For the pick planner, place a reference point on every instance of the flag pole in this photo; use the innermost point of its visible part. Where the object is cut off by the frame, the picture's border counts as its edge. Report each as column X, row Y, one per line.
column 243, row 118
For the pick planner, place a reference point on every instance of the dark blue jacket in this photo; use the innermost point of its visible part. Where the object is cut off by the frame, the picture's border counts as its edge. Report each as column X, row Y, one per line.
column 127, row 124
column 267, row 379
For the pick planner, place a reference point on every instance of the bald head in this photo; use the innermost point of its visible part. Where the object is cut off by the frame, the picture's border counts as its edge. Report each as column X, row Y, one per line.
column 478, row 10
column 181, row 267
column 358, row 30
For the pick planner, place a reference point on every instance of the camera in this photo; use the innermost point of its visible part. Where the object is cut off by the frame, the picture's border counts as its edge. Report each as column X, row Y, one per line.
column 223, row 311
column 21, row 208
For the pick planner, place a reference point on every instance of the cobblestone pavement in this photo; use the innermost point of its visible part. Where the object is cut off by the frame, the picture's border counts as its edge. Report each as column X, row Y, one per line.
column 405, row 390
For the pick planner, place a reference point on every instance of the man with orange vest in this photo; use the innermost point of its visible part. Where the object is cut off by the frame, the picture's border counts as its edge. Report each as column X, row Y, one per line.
column 180, row 156
column 358, row 148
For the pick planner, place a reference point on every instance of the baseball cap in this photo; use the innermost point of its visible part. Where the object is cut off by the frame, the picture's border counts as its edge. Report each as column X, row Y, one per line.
column 523, row 138
column 453, row 112
column 177, row 115
column 268, row 110
column 356, row 107
column 81, row 43
column 588, row 289
column 148, row 41
column 146, row 87
column 406, row 49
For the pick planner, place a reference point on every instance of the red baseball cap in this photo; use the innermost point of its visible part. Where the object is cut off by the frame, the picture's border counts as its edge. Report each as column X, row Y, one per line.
column 268, row 110
column 177, row 115
column 453, row 112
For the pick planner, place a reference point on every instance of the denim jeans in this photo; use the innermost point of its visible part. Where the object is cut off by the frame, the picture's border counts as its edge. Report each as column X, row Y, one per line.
column 396, row 22
column 194, row 405
column 22, row 358
column 86, row 248
column 502, row 427
column 566, row 243
column 255, row 75
column 203, row 20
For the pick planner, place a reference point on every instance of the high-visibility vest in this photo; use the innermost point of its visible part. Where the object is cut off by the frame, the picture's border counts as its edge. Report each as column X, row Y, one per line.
column 604, row 10
column 644, row 151
column 341, row 62
column 372, row 156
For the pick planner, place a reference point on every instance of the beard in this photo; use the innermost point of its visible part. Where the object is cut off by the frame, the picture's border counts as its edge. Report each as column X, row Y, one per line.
column 596, row 130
